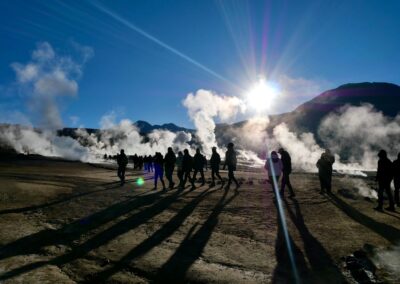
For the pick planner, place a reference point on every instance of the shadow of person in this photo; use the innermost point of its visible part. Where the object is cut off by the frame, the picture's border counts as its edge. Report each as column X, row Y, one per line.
column 388, row 232
column 323, row 268
column 284, row 272
column 110, row 185
column 191, row 248
column 154, row 240
column 34, row 243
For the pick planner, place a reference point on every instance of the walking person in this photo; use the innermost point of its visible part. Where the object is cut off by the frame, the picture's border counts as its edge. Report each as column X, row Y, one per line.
column 325, row 169
column 198, row 166
column 215, row 161
column 231, row 162
column 384, row 178
column 187, row 165
column 169, row 163
column 158, row 163
column 273, row 165
column 179, row 169
column 122, row 161
column 286, row 171
column 396, row 179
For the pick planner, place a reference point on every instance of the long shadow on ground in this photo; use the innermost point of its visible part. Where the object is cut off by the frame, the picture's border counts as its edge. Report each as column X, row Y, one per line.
column 154, row 240
column 98, row 240
column 323, row 268
column 388, row 232
column 283, row 272
column 191, row 248
column 59, row 201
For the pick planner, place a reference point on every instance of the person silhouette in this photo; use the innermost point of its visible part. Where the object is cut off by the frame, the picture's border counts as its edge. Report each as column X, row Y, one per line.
column 169, row 163
column 286, row 171
column 187, row 165
column 396, row 179
column 179, row 170
column 231, row 162
column 158, row 163
column 198, row 166
column 384, row 178
column 325, row 169
column 122, row 161
column 274, row 167
column 215, row 161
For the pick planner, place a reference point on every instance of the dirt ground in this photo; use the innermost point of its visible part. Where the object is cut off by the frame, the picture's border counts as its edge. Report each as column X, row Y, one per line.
column 67, row 222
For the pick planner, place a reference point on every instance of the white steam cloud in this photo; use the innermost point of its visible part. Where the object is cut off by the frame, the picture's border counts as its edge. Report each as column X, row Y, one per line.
column 359, row 132
column 205, row 106
column 389, row 260
column 46, row 78
column 354, row 134
column 30, row 141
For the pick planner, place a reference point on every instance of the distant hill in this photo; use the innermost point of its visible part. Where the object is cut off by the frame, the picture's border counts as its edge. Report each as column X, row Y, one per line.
column 385, row 97
column 145, row 127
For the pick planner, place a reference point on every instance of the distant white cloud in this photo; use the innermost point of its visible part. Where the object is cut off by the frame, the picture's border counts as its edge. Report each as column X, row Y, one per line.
column 47, row 77
column 43, row 52
column 25, row 73
column 55, row 84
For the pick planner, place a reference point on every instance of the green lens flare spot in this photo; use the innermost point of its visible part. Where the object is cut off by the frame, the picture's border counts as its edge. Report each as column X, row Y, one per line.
column 140, row 181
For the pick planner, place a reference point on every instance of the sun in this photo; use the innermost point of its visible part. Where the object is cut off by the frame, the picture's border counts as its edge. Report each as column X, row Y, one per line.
column 261, row 96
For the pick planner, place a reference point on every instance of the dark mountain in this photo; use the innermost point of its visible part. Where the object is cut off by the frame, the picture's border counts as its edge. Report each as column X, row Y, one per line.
column 384, row 97
column 145, row 127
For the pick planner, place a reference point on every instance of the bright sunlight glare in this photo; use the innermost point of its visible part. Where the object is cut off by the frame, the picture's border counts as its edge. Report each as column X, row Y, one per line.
column 262, row 95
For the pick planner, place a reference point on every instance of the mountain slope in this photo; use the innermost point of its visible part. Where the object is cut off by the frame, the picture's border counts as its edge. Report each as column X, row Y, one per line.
column 385, row 97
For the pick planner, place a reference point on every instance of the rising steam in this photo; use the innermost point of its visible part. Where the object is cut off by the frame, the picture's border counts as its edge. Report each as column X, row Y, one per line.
column 49, row 77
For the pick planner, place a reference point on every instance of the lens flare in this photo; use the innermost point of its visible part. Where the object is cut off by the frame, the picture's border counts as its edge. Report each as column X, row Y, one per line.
column 262, row 95
column 140, row 181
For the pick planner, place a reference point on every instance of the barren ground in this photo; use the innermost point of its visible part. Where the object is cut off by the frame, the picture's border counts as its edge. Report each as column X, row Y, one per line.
column 67, row 222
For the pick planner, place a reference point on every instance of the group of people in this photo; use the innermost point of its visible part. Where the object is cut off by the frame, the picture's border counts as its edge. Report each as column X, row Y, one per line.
column 276, row 166
column 184, row 164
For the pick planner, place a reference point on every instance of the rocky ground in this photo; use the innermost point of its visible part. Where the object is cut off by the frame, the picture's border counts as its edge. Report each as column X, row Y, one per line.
column 67, row 222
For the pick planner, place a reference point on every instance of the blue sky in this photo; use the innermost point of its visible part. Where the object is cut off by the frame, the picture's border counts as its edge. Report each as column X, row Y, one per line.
column 215, row 45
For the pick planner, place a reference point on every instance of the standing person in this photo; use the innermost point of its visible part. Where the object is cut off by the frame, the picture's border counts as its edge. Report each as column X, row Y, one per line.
column 214, row 164
column 325, row 169
column 158, row 170
column 187, row 165
column 179, row 169
column 273, row 165
column 169, row 162
column 384, row 177
column 122, row 161
column 231, row 162
column 146, row 163
column 205, row 162
column 151, row 163
column 286, row 171
column 198, row 166
column 396, row 175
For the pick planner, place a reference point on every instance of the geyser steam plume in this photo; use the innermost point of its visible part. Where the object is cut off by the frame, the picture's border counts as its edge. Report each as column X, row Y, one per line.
column 205, row 106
